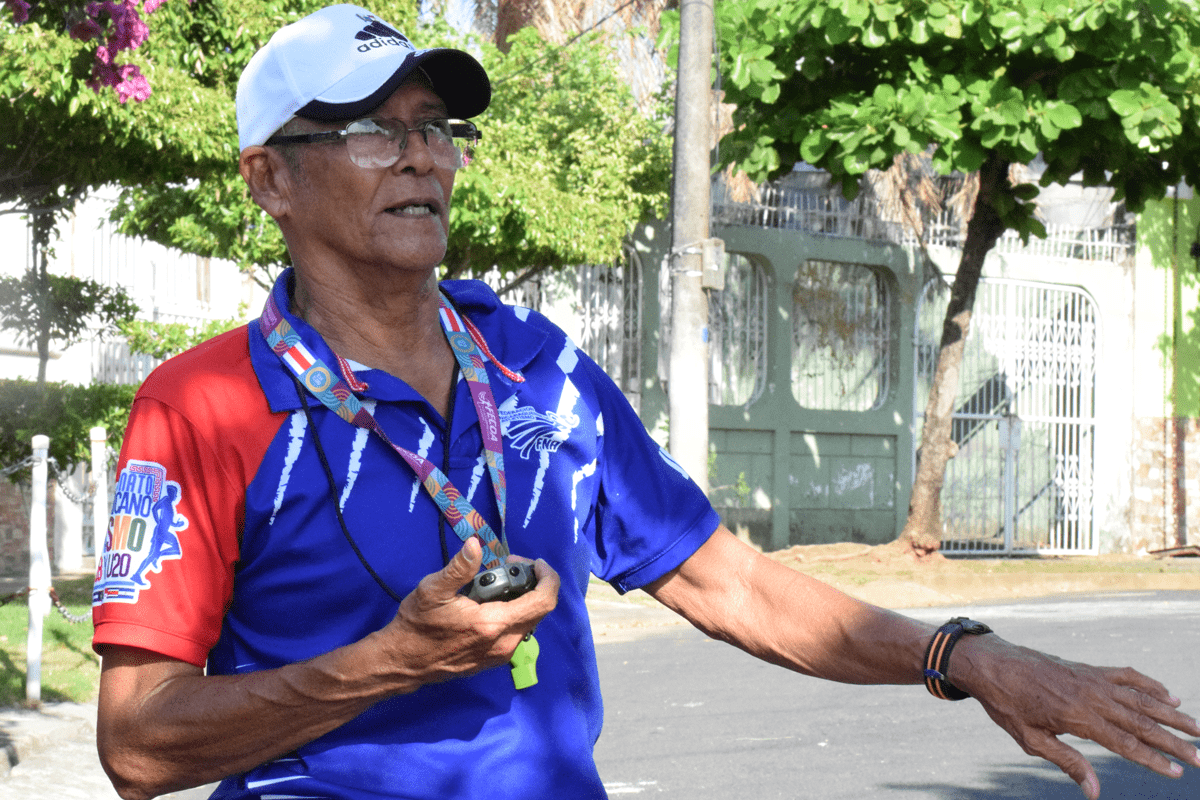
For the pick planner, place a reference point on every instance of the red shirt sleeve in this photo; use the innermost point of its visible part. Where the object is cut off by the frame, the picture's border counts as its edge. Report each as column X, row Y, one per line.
column 196, row 435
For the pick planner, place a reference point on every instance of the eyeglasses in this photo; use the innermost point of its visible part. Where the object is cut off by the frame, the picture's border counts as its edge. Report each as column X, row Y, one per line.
column 375, row 143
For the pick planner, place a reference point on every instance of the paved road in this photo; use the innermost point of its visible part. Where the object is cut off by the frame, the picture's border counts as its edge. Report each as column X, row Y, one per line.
column 691, row 718
column 694, row 719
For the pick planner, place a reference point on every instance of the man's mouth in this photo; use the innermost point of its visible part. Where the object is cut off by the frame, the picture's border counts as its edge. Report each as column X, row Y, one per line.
column 415, row 210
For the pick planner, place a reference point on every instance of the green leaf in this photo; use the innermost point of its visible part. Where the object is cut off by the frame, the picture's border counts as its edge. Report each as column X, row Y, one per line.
column 875, row 35
column 1055, row 37
column 815, row 146
column 918, row 32
column 887, row 12
column 1064, row 116
column 968, row 156
column 1026, row 191
column 1009, row 24
column 1126, row 102
column 838, row 30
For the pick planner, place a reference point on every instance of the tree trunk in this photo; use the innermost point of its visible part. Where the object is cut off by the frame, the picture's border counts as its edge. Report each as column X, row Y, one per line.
column 922, row 532
column 43, row 225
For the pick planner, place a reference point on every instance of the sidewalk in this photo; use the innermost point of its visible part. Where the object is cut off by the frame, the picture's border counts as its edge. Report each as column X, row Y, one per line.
column 50, row 754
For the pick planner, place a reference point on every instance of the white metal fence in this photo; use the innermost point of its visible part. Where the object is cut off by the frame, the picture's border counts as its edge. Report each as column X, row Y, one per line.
column 805, row 201
column 1022, row 480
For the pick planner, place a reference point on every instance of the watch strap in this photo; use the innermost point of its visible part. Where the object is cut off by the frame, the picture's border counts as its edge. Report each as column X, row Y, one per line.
column 937, row 656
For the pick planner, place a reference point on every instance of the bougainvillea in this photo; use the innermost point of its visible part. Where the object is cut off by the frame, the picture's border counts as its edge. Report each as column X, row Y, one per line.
column 115, row 26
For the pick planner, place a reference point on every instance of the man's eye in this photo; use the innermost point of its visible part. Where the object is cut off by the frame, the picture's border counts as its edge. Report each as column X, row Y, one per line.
column 439, row 126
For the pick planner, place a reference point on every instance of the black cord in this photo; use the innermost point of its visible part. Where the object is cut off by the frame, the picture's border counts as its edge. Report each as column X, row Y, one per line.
column 446, row 458
column 333, row 491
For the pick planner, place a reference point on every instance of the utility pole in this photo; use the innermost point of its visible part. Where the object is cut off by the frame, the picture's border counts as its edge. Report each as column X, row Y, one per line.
column 687, row 370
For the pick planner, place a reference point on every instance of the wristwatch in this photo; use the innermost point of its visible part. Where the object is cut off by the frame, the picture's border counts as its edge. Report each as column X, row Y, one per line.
column 937, row 656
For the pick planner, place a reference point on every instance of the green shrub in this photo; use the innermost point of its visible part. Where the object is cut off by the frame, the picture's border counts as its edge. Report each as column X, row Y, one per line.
column 64, row 412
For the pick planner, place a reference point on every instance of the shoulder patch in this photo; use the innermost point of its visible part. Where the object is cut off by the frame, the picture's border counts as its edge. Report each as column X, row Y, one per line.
column 142, row 533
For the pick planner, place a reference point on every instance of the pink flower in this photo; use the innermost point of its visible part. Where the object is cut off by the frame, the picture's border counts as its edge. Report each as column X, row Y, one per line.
column 129, row 31
column 87, row 28
column 133, row 85
column 19, row 9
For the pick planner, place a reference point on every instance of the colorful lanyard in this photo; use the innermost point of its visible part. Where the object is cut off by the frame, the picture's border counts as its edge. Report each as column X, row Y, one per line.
column 338, row 395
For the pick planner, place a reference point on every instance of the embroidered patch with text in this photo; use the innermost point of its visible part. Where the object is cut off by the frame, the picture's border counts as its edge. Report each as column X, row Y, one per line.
column 142, row 533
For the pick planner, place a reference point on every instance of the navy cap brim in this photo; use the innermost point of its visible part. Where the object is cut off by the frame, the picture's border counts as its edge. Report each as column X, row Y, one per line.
column 457, row 78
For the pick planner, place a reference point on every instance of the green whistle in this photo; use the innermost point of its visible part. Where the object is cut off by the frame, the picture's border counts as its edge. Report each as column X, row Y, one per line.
column 524, row 663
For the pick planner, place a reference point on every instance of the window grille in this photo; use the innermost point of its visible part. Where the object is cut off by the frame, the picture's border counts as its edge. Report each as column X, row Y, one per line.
column 610, row 302
column 841, row 337
column 737, row 323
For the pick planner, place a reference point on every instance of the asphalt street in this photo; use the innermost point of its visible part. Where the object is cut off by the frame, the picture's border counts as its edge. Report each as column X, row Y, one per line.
column 687, row 717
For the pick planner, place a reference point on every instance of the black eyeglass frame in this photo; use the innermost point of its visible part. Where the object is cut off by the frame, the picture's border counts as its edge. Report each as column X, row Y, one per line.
column 459, row 129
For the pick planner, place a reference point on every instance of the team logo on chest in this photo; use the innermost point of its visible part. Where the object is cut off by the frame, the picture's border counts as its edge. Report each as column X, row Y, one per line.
column 529, row 431
column 142, row 532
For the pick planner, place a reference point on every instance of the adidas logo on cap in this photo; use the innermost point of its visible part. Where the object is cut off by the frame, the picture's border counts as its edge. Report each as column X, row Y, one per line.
column 379, row 34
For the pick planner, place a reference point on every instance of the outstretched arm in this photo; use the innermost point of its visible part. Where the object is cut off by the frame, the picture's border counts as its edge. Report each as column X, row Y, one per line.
column 733, row 593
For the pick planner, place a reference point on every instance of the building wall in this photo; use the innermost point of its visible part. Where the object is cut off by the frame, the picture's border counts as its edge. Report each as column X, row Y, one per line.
column 14, row 527
column 167, row 285
column 1154, row 515
column 1167, row 230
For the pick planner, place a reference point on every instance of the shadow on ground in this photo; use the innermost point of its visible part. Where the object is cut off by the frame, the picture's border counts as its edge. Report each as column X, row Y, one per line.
column 1119, row 780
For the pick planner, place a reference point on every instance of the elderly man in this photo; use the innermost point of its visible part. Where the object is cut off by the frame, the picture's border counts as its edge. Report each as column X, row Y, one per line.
column 305, row 633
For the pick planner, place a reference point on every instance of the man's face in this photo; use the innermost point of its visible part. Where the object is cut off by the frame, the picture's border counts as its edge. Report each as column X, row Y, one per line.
column 390, row 218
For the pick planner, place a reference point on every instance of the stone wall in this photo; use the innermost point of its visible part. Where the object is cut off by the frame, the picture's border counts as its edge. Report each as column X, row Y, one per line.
column 1153, row 520
column 14, row 527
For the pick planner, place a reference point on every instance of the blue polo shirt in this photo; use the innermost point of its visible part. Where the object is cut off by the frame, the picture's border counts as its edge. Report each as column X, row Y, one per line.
column 227, row 549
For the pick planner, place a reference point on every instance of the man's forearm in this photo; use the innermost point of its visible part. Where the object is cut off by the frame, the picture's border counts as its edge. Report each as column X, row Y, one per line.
column 192, row 729
column 788, row 618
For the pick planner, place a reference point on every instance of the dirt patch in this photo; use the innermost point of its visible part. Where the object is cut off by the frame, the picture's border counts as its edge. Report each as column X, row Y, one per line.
column 890, row 577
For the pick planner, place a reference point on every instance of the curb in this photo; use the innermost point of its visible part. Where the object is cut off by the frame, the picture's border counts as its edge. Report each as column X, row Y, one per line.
column 24, row 732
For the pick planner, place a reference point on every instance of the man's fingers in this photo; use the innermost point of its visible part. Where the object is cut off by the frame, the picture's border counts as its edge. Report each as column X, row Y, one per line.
column 1136, row 733
column 1066, row 758
column 1150, row 698
column 447, row 582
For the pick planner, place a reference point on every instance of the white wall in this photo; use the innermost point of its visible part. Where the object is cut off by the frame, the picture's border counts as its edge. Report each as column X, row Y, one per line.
column 167, row 285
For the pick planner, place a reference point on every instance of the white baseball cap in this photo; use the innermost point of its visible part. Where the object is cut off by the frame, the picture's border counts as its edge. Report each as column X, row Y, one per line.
column 340, row 63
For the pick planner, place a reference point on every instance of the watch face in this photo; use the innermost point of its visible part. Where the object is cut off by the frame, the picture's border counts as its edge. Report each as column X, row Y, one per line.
column 973, row 627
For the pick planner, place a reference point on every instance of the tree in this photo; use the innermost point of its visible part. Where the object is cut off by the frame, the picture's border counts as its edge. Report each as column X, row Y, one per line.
column 115, row 26
column 1104, row 90
column 42, row 308
column 64, row 412
column 567, row 165
column 67, row 138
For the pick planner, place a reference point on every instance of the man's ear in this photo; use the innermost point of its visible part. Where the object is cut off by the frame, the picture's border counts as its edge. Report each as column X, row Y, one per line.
column 268, row 177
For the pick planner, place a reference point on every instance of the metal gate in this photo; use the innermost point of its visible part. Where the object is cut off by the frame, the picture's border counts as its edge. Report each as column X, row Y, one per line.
column 1022, row 480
